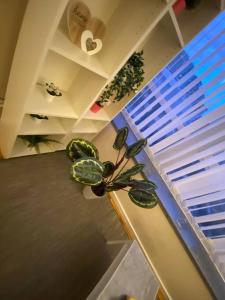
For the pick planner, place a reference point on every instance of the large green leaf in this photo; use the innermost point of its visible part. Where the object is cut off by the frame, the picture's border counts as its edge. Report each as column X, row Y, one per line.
column 135, row 148
column 78, row 148
column 130, row 172
column 109, row 168
column 115, row 187
column 87, row 171
column 143, row 198
column 142, row 184
column 120, row 138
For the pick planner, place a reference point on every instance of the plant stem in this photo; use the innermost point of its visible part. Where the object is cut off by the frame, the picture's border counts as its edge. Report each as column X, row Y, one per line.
column 117, row 157
column 120, row 171
column 115, row 165
column 108, row 180
column 120, row 161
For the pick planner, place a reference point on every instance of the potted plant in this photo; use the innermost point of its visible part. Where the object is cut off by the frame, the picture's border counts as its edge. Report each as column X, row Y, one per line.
column 52, row 91
column 34, row 141
column 38, row 118
column 102, row 177
column 127, row 81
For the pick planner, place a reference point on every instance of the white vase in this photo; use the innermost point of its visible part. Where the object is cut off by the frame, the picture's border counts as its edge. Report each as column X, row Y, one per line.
column 49, row 97
column 88, row 194
column 38, row 121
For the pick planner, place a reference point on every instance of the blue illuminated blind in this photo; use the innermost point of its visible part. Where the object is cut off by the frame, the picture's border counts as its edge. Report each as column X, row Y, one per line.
column 182, row 114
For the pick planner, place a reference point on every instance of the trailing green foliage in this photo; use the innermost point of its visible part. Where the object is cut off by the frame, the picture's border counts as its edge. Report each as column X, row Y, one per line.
column 34, row 141
column 127, row 80
column 78, row 148
column 108, row 176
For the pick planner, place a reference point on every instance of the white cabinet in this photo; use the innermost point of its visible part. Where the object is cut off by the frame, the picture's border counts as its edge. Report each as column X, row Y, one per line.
column 44, row 52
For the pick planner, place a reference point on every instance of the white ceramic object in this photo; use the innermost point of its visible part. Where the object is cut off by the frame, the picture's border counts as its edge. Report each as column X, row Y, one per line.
column 88, row 194
column 38, row 121
column 90, row 45
column 49, row 97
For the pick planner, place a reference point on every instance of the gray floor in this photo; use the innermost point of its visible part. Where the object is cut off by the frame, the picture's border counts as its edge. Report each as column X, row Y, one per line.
column 52, row 240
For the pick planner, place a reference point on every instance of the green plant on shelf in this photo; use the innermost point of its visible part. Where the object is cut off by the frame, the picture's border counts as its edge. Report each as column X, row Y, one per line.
column 34, row 141
column 107, row 176
column 39, row 117
column 127, row 80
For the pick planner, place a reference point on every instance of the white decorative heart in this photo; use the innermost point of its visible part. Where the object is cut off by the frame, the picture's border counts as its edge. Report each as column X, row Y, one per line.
column 88, row 44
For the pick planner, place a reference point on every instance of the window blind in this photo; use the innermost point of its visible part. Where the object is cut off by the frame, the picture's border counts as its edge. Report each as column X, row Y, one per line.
column 181, row 112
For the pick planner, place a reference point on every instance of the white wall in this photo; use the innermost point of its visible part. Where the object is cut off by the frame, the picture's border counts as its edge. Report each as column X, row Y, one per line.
column 11, row 15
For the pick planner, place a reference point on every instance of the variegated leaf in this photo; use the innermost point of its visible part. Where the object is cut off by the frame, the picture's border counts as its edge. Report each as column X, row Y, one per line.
column 87, row 171
column 144, row 199
column 78, row 148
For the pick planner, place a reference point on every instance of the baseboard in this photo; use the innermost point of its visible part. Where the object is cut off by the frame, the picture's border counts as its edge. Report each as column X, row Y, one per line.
column 162, row 292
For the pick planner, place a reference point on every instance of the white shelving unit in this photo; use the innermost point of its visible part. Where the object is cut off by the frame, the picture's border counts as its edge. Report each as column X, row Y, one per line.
column 21, row 149
column 101, row 115
column 89, row 126
column 59, row 107
column 63, row 46
column 32, row 126
column 44, row 52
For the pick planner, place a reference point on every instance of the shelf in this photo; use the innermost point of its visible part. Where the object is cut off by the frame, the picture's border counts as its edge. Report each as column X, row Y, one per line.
column 80, row 84
column 31, row 126
column 87, row 136
column 85, row 89
column 59, row 107
column 20, row 148
column 67, row 124
column 100, row 115
column 125, row 21
column 159, row 47
column 63, row 46
column 59, row 70
column 89, row 126
column 129, row 24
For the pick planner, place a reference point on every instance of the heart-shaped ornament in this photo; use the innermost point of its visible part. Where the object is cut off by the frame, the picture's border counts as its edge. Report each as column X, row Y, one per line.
column 88, row 44
column 78, row 16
